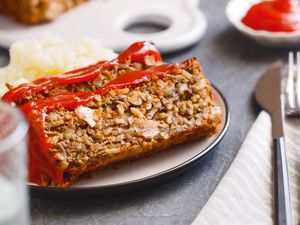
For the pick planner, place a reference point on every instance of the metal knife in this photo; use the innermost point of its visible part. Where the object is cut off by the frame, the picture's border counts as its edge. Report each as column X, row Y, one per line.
column 268, row 96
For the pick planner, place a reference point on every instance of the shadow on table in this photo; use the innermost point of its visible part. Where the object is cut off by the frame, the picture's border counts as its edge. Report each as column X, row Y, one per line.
column 230, row 42
column 108, row 205
column 3, row 57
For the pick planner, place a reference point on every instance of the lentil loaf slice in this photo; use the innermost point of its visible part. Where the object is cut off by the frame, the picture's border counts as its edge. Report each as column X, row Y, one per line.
column 128, row 123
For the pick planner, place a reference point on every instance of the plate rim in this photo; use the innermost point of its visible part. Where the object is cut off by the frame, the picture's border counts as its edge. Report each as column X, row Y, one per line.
column 39, row 190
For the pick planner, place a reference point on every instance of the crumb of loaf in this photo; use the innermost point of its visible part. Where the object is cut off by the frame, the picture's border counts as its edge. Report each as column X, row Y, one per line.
column 137, row 122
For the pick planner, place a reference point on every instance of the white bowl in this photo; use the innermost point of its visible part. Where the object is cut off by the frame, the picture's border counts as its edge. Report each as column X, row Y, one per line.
column 237, row 9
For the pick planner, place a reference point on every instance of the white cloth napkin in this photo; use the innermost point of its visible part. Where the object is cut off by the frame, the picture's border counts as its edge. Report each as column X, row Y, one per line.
column 245, row 194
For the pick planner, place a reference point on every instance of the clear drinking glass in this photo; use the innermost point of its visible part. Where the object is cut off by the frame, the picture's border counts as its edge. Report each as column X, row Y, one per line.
column 13, row 167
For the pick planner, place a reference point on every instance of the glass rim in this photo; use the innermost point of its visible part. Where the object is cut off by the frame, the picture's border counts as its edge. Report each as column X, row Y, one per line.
column 18, row 133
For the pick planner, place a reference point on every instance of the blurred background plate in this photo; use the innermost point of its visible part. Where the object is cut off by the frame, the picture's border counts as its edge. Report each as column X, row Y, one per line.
column 118, row 23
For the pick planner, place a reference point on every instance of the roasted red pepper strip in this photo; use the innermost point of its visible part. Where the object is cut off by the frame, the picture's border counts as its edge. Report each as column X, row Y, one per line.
column 136, row 53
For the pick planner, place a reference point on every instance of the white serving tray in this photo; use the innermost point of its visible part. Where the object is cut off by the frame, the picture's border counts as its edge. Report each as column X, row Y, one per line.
column 106, row 20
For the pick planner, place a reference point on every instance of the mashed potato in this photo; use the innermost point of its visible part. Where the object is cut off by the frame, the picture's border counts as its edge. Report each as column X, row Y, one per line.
column 49, row 55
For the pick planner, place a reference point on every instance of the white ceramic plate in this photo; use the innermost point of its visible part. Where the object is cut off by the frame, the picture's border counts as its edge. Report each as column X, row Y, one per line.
column 237, row 9
column 141, row 173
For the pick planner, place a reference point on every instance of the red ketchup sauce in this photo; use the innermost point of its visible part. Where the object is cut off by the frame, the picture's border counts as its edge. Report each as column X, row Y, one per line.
column 274, row 15
column 42, row 161
column 136, row 53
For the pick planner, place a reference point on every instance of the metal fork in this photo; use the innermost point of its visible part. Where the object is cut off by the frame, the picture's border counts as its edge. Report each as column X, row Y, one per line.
column 292, row 86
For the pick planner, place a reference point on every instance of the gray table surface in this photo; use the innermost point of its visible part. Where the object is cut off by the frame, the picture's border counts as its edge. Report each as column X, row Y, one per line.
column 233, row 63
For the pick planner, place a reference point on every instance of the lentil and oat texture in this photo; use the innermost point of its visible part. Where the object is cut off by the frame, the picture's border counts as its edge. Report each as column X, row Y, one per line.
column 135, row 114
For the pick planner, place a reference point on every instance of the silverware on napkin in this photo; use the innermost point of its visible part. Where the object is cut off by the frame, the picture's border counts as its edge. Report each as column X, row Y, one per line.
column 268, row 96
